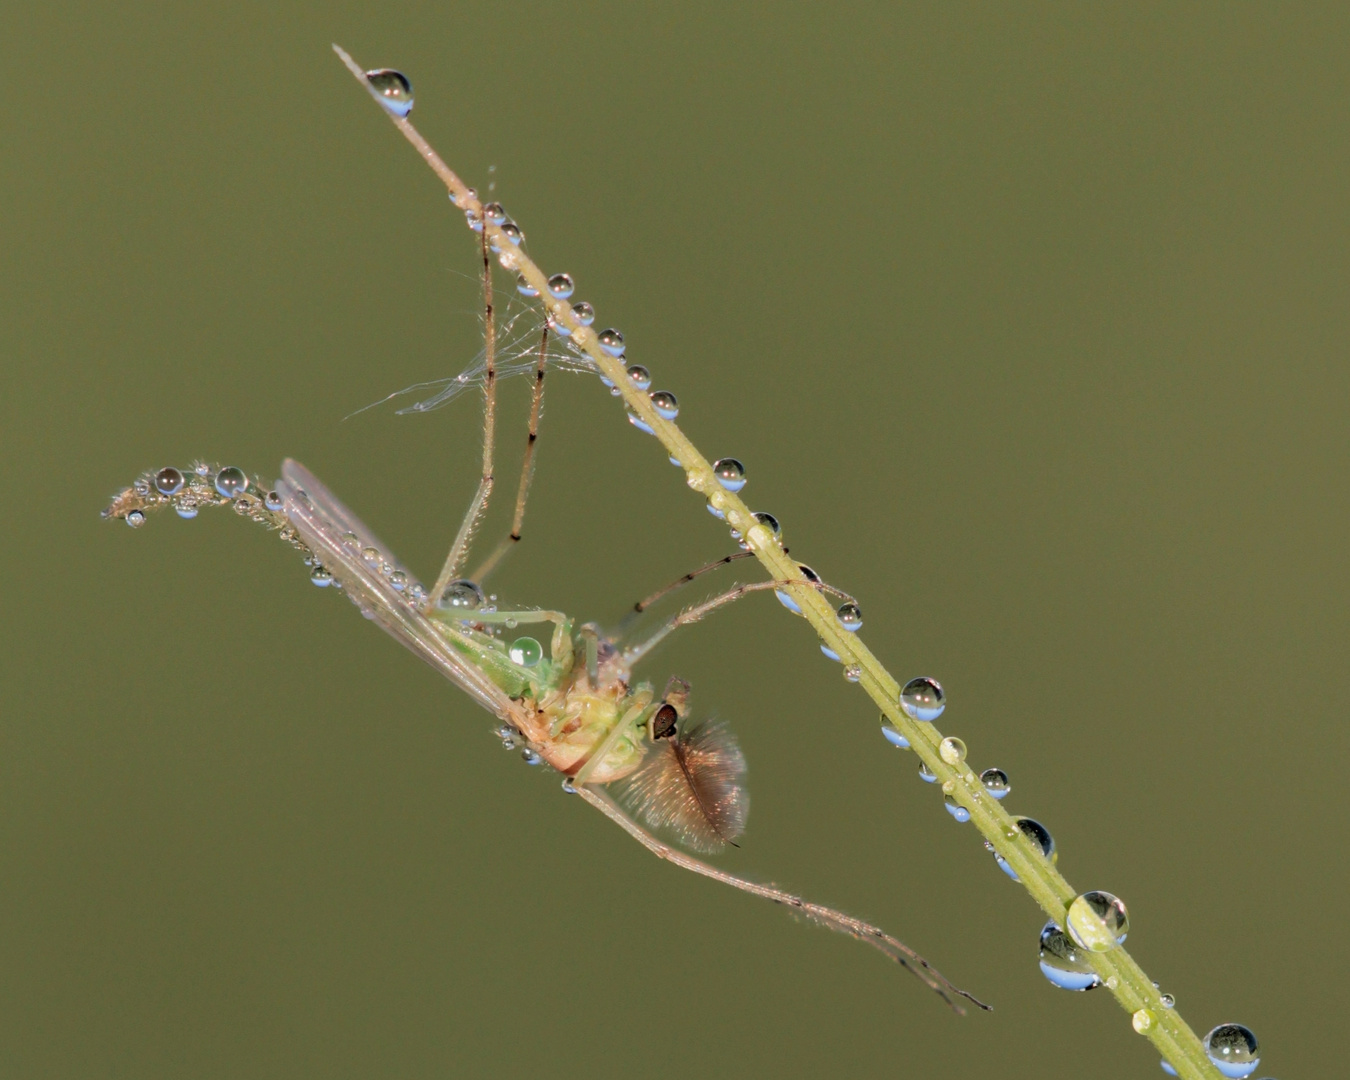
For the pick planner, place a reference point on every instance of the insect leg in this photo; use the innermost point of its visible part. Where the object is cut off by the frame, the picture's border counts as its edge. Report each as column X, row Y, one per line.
column 895, row 949
column 643, row 605
column 560, row 649
column 526, row 469
column 459, row 550
column 633, row 653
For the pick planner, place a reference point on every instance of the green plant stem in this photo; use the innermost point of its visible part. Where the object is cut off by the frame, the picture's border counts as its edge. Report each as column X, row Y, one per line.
column 1168, row 1032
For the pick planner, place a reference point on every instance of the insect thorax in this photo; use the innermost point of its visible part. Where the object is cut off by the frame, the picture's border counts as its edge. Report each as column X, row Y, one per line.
column 580, row 719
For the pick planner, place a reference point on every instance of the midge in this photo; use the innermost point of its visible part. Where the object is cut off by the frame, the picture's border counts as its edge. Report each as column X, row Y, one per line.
column 634, row 755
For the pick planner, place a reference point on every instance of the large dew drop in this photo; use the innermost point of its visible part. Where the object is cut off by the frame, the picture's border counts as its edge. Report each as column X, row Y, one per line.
column 995, row 782
column 1097, row 921
column 561, row 286
column 583, row 313
column 666, row 405
column 892, row 736
column 231, row 482
column 784, row 597
column 923, row 699
column 730, row 473
column 392, row 89
column 461, row 595
column 526, row 652
column 169, row 481
column 639, row 376
column 1233, row 1050
column 1040, row 838
column 850, row 617
column 1063, row 963
column 611, row 341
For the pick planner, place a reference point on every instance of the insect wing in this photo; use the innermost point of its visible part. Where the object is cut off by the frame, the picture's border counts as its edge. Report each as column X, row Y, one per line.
column 340, row 541
column 693, row 785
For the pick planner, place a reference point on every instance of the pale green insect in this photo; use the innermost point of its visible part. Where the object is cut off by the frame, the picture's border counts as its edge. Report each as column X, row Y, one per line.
column 573, row 706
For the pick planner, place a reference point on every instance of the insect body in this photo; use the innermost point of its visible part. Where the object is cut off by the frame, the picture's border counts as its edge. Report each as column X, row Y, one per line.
column 636, row 757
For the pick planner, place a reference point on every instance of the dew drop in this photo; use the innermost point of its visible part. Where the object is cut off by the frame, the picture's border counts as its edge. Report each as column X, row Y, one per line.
column 272, row 500
column 321, row 577
column 611, row 341
column 956, row 809
column 927, row 775
column 1168, row 1068
column 398, row 580
column 853, row 673
column 769, row 522
column 730, row 473
column 665, row 404
column 640, row 424
column 526, row 652
column 1142, row 1020
column 676, row 463
column 512, row 232
column 186, row 510
column 417, row 593
column 892, row 736
column 1097, row 921
column 372, row 557
column 1063, row 963
column 568, row 787
column 850, row 617
column 1233, row 1050
column 530, row 757
column 785, row 598
column 461, row 595
column 141, row 486
column 716, row 511
column 136, row 519
column 393, row 90
column 475, row 220
column 1040, row 838
column 168, row 481
column 923, row 699
column 583, row 313
column 995, row 782
column 639, row 376
column 494, row 212
column 524, row 287
column 952, row 750
column 1168, row 1001
column 561, row 286
column 231, row 482
column 202, row 469
column 830, row 654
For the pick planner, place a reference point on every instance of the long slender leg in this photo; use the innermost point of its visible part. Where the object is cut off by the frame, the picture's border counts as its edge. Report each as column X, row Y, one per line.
column 634, row 653
column 895, row 949
column 560, row 648
column 527, row 467
column 459, row 550
column 643, row 605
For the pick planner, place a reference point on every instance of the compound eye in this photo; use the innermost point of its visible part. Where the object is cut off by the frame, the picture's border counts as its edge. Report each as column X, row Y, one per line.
column 664, row 721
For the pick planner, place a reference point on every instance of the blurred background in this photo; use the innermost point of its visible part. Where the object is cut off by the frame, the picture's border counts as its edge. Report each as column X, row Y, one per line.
column 1029, row 323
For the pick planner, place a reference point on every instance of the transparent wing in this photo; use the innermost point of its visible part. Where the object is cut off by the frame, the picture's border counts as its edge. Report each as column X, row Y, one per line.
column 367, row 570
column 517, row 353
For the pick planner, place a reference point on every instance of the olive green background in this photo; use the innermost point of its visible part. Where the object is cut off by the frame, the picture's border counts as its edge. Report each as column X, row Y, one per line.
column 1029, row 322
